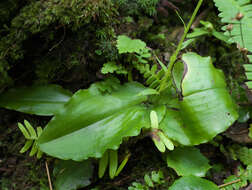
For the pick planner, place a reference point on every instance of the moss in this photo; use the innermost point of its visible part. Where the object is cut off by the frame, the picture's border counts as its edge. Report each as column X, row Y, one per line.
column 48, row 17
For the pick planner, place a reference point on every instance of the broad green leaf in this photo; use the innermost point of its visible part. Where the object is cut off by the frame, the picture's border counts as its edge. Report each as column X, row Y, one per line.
column 72, row 175
column 148, row 91
column 206, row 108
column 38, row 100
column 188, row 161
column 127, row 45
column 193, row 183
column 90, row 123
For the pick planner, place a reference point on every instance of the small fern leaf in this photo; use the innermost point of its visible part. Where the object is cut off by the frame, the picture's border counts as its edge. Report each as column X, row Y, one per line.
column 248, row 72
column 34, row 149
column 39, row 154
column 122, row 165
column 151, row 74
column 24, row 131
column 31, row 130
column 154, row 84
column 26, row 147
column 39, row 131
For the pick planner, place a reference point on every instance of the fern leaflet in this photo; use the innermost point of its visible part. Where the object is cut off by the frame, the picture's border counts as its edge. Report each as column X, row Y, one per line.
column 151, row 74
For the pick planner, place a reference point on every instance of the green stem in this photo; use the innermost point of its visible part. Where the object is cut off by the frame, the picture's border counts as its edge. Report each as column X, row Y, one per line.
column 175, row 54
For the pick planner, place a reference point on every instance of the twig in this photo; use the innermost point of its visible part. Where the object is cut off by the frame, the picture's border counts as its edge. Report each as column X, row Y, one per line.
column 48, row 175
column 229, row 183
column 59, row 41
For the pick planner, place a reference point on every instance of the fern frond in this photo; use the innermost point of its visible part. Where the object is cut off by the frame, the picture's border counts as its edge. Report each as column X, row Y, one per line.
column 31, row 137
column 248, row 69
column 152, row 75
column 238, row 15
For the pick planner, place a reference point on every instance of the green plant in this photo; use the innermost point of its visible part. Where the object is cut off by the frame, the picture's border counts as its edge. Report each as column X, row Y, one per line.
column 183, row 104
column 72, row 175
column 31, row 135
column 242, row 178
column 207, row 29
column 236, row 13
column 188, row 161
column 154, row 179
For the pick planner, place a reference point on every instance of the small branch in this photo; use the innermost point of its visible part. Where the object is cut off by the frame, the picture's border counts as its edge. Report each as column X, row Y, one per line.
column 56, row 45
column 229, row 183
column 48, row 176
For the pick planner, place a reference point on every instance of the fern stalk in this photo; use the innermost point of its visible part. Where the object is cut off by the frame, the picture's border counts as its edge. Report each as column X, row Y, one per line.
column 175, row 54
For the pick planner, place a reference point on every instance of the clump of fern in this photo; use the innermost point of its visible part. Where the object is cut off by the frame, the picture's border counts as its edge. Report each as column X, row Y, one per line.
column 31, row 135
column 243, row 175
column 140, row 55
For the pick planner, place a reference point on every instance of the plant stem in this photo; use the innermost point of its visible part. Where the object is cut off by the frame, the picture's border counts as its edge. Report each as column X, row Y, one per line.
column 175, row 54
column 48, row 176
column 229, row 183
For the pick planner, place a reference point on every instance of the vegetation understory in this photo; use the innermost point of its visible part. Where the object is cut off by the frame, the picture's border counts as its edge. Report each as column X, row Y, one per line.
column 103, row 46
